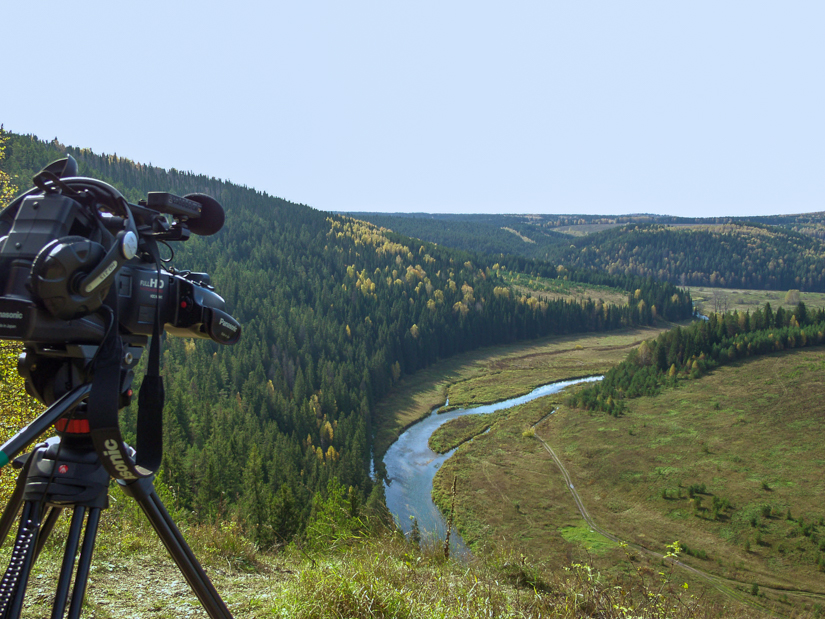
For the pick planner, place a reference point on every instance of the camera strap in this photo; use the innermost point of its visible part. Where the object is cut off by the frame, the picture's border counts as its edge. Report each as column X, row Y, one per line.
column 151, row 396
column 104, row 401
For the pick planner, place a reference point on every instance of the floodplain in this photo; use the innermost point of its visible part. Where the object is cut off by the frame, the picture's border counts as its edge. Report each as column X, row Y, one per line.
column 707, row 299
column 730, row 465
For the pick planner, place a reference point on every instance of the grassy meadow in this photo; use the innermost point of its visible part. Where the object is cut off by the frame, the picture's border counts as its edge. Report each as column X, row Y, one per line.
column 462, row 429
column 708, row 300
column 729, row 465
column 544, row 288
column 561, row 358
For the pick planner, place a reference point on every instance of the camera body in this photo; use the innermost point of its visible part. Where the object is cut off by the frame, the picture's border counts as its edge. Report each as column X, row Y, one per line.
column 26, row 227
column 64, row 244
column 189, row 306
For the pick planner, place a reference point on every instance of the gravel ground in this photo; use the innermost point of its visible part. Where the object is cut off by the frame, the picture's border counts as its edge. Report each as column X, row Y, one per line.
column 150, row 586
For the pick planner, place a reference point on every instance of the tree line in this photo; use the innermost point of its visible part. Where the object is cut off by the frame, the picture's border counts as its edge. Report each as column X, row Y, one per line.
column 690, row 352
column 730, row 256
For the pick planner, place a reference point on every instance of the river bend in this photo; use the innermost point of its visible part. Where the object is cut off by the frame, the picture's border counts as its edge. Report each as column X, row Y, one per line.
column 411, row 466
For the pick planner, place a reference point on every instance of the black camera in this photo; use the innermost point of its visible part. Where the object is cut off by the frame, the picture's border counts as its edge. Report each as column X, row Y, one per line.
column 66, row 242
column 73, row 247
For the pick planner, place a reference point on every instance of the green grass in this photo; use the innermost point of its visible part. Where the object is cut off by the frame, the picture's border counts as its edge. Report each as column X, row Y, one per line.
column 517, row 373
column 581, row 535
column 708, row 300
column 460, row 430
column 378, row 576
column 389, row 578
column 751, row 433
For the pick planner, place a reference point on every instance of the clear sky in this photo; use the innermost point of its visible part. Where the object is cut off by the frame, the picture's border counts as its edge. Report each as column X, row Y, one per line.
column 689, row 108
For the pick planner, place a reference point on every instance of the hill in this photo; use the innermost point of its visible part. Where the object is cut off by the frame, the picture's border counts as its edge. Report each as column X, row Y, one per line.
column 487, row 234
column 767, row 253
column 742, row 255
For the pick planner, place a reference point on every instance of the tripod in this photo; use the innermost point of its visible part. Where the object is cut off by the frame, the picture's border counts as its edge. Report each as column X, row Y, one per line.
column 65, row 472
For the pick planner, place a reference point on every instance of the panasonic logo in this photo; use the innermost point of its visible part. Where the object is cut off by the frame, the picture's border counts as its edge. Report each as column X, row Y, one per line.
column 116, row 459
column 228, row 325
column 16, row 315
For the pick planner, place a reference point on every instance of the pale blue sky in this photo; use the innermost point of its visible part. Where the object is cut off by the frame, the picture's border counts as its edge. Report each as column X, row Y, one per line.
column 692, row 108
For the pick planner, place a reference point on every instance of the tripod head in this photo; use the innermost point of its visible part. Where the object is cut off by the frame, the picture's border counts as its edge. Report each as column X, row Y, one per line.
column 52, row 371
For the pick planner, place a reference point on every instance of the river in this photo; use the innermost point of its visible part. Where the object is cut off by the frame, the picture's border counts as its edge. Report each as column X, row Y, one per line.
column 411, row 466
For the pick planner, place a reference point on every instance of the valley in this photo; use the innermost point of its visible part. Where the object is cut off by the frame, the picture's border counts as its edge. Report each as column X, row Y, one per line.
column 493, row 374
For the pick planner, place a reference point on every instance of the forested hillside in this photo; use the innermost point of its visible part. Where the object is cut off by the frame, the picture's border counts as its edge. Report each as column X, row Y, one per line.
column 768, row 253
column 335, row 312
column 732, row 255
column 491, row 234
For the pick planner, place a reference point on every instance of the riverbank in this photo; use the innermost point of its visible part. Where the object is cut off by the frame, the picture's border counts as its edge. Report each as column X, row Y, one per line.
column 411, row 464
column 499, row 373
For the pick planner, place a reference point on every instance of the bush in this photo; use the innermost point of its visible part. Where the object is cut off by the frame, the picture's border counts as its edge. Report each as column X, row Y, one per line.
column 335, row 517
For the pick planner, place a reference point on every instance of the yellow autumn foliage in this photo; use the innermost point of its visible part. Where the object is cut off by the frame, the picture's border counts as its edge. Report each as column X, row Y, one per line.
column 17, row 409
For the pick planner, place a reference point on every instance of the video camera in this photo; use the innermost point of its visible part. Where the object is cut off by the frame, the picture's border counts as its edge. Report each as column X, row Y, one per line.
column 71, row 243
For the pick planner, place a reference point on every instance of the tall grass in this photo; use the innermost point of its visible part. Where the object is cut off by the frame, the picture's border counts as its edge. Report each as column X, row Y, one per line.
column 382, row 575
column 388, row 577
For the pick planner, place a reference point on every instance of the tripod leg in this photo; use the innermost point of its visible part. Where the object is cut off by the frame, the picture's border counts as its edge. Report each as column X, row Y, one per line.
column 16, row 578
column 16, row 500
column 61, row 596
column 82, row 577
column 144, row 493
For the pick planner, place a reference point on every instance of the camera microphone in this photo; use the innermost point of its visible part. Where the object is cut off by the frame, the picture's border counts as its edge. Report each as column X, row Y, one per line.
column 212, row 215
column 204, row 215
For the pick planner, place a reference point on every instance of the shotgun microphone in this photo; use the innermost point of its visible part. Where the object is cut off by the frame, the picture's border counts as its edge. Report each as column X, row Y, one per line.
column 202, row 214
